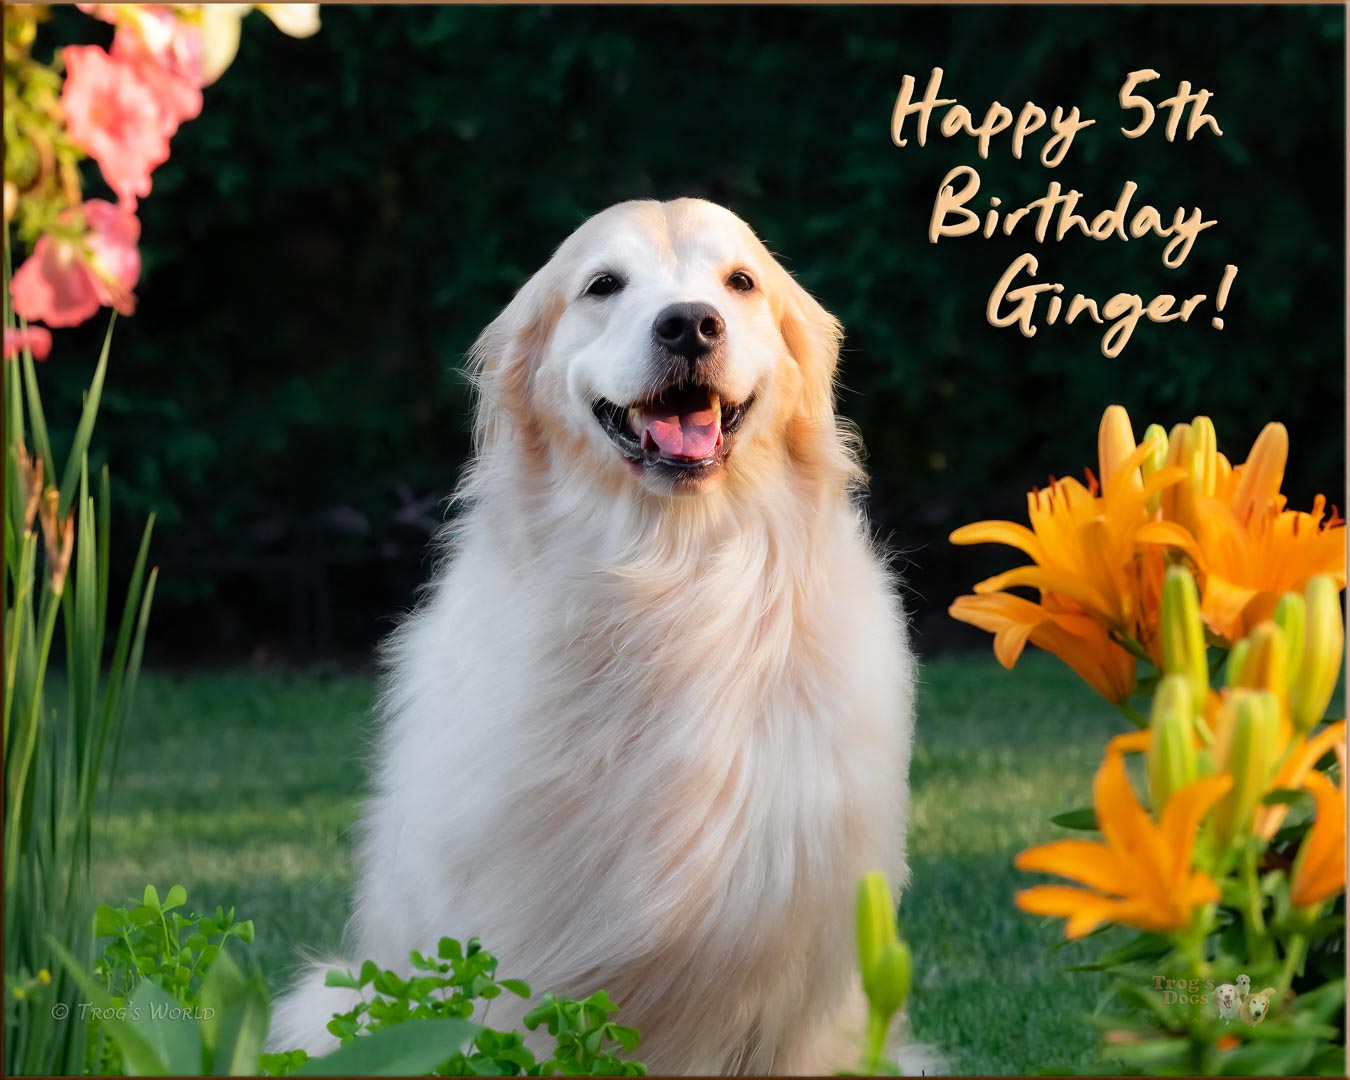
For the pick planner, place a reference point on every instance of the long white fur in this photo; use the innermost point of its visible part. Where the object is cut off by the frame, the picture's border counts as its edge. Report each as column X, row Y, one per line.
column 637, row 740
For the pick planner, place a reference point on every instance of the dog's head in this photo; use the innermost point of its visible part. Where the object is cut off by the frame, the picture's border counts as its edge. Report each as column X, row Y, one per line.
column 1258, row 1005
column 661, row 346
column 1227, row 995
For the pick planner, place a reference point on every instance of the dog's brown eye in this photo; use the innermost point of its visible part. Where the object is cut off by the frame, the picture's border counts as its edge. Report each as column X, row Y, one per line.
column 604, row 285
column 740, row 281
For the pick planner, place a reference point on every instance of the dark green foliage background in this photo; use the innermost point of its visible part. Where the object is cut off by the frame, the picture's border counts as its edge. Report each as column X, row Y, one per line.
column 349, row 211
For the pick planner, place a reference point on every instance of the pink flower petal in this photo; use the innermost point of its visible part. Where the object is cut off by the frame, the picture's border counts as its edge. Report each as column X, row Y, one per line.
column 64, row 281
column 36, row 339
column 114, row 258
column 54, row 285
column 116, row 117
column 154, row 32
column 172, row 72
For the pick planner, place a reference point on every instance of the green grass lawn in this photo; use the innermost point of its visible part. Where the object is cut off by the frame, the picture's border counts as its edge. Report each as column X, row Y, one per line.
column 243, row 787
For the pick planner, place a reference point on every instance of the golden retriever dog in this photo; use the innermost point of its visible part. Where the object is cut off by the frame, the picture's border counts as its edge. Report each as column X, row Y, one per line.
column 651, row 722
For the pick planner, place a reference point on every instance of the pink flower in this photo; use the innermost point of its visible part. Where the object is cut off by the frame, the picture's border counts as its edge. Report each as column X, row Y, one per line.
column 155, row 32
column 54, row 284
column 178, row 98
column 115, row 117
column 36, row 339
column 65, row 281
column 114, row 258
column 167, row 52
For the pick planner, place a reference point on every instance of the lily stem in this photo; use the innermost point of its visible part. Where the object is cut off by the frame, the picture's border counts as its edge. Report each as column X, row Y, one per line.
column 1293, row 960
column 875, row 1043
column 1258, row 944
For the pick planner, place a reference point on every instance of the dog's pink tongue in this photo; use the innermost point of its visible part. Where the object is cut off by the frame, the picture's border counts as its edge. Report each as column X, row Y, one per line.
column 692, row 435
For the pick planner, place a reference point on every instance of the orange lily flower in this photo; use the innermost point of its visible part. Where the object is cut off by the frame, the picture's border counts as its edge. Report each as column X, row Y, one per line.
column 1141, row 876
column 1079, row 640
column 1096, row 588
column 1319, row 868
column 1249, row 548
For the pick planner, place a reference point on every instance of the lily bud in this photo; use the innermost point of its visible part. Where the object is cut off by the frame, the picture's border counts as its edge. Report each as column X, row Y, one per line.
column 1193, row 447
column 1156, row 434
column 1323, row 648
column 1178, row 500
column 1115, row 443
column 1244, row 748
column 1205, row 449
column 1172, row 762
column 887, row 984
column 1263, row 472
column 883, row 959
column 1291, row 616
column 875, row 918
column 1265, row 666
column 1183, row 634
column 1237, row 658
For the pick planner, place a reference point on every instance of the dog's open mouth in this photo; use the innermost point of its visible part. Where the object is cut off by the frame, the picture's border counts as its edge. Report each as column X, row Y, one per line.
column 685, row 430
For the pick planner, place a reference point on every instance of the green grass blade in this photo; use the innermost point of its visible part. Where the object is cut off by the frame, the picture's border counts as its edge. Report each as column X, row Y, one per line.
column 11, row 541
column 19, row 623
column 86, row 722
column 19, row 769
column 133, row 669
column 86, row 426
column 37, row 420
column 104, row 537
column 117, row 670
column 13, row 413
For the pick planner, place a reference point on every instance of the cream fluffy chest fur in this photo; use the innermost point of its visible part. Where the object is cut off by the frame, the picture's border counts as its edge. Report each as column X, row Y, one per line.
column 686, row 834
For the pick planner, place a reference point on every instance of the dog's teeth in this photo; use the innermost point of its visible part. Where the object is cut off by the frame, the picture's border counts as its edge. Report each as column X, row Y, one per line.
column 649, row 443
column 635, row 420
column 716, row 403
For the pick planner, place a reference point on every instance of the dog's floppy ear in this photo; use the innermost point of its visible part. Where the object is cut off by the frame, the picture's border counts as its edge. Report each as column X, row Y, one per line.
column 502, row 361
column 813, row 337
column 823, row 444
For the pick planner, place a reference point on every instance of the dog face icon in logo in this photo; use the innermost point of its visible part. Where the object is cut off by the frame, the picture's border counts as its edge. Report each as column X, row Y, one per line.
column 1226, row 996
column 1256, row 1006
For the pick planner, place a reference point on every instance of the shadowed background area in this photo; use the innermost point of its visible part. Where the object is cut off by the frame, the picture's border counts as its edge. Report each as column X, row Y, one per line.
column 349, row 211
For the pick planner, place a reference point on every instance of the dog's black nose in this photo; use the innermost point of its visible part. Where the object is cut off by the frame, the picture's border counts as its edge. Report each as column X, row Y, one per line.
column 689, row 330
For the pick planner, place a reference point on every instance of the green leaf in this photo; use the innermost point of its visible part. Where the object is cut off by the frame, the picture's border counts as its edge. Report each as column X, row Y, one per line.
column 177, row 898
column 85, row 428
column 107, row 920
column 142, row 1056
column 118, row 670
column 36, row 420
column 516, row 986
column 1288, row 797
column 176, row 1039
column 410, row 1049
column 1084, row 819
column 448, row 949
column 103, row 530
column 282, row 1064
column 627, row 1037
column 235, row 1029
